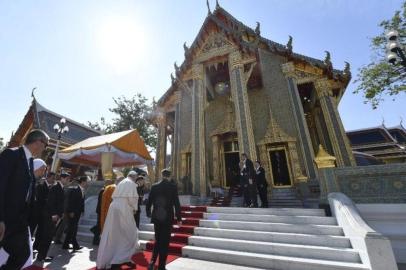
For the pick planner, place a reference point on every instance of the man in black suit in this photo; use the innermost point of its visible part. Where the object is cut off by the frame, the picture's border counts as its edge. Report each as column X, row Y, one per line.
column 247, row 176
column 140, row 181
column 163, row 198
column 262, row 185
column 46, row 226
column 74, row 208
column 58, row 208
column 17, row 192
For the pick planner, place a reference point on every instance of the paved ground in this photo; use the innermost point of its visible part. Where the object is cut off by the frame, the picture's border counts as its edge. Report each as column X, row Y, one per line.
column 85, row 259
column 66, row 260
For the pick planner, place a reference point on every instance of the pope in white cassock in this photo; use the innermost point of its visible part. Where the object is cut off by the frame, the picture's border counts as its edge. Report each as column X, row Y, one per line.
column 119, row 240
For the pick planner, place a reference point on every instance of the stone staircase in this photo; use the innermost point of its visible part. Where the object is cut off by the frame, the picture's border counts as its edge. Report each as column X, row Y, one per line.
column 273, row 238
column 84, row 235
column 284, row 197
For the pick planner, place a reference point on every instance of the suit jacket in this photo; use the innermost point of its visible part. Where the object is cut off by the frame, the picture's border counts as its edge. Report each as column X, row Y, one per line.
column 15, row 180
column 163, row 198
column 56, row 197
column 248, row 172
column 75, row 202
column 260, row 177
column 42, row 192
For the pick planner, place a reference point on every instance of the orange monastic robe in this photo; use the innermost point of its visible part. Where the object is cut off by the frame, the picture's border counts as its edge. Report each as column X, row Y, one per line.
column 105, row 203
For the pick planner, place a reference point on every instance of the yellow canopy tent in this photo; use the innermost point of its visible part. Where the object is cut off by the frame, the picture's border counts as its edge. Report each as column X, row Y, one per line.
column 119, row 149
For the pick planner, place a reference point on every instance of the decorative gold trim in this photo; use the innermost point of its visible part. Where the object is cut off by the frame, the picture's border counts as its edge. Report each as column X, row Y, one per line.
column 324, row 159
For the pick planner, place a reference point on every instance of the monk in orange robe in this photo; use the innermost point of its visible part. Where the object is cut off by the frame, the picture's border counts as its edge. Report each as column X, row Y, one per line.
column 106, row 200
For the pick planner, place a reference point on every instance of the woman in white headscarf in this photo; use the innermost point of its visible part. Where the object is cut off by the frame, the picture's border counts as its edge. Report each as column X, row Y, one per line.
column 119, row 239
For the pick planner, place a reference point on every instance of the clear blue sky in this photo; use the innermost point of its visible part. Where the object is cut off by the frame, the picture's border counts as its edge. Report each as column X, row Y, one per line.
column 80, row 54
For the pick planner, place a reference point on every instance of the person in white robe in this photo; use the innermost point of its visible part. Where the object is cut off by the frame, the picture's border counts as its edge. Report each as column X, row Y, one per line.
column 119, row 239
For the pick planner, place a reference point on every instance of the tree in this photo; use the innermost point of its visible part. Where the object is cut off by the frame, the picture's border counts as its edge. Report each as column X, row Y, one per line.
column 131, row 113
column 1, row 144
column 380, row 78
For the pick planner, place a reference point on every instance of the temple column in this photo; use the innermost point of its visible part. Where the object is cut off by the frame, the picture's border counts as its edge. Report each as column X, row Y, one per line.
column 239, row 94
column 198, row 174
column 304, row 141
column 216, row 161
column 161, row 147
column 175, row 144
column 338, row 138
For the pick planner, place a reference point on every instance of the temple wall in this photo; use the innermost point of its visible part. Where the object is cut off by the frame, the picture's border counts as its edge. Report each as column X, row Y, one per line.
column 215, row 114
column 185, row 120
column 276, row 87
column 258, row 99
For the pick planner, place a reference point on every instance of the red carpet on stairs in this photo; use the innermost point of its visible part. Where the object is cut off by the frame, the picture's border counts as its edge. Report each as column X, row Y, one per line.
column 179, row 237
column 142, row 260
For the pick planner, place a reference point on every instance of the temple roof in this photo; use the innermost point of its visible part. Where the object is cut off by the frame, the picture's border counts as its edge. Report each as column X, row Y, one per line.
column 234, row 30
column 40, row 117
column 380, row 141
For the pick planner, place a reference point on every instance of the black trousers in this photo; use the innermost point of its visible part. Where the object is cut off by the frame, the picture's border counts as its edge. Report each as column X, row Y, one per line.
column 263, row 195
column 162, row 238
column 16, row 244
column 46, row 231
column 137, row 217
column 252, row 190
column 71, row 231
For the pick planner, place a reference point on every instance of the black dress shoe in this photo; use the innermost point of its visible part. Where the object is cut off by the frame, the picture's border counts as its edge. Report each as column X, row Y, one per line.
column 45, row 259
column 77, row 248
column 151, row 266
column 130, row 264
column 115, row 267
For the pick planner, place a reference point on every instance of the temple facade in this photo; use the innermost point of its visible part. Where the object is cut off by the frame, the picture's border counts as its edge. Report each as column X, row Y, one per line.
column 238, row 92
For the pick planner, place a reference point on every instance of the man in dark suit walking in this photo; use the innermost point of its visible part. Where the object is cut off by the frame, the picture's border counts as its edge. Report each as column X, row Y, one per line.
column 74, row 207
column 247, row 176
column 163, row 198
column 58, row 204
column 17, row 192
column 262, row 185
column 46, row 225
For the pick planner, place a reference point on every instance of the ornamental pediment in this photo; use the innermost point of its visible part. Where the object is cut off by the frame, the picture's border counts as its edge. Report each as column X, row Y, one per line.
column 215, row 45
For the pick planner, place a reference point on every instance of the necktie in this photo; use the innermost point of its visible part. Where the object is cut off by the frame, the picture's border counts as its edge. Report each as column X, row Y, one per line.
column 32, row 181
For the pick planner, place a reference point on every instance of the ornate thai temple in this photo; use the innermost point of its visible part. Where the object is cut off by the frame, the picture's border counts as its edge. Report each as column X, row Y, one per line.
column 239, row 92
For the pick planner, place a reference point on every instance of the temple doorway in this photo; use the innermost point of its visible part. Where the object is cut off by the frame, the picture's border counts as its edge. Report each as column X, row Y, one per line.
column 231, row 161
column 280, row 167
column 232, row 168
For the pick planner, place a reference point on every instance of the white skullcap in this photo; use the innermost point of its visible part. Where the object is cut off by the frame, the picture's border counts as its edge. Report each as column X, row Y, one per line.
column 38, row 163
column 132, row 173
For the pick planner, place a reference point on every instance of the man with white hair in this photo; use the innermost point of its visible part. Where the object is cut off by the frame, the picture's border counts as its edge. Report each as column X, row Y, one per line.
column 119, row 239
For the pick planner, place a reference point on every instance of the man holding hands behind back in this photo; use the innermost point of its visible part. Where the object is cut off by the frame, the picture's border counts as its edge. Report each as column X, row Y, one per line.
column 163, row 198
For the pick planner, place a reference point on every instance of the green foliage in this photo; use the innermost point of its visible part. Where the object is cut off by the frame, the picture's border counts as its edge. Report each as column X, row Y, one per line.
column 131, row 113
column 1, row 144
column 380, row 78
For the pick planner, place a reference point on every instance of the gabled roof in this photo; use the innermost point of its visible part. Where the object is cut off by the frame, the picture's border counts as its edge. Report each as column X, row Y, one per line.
column 399, row 133
column 374, row 135
column 234, row 30
column 40, row 117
